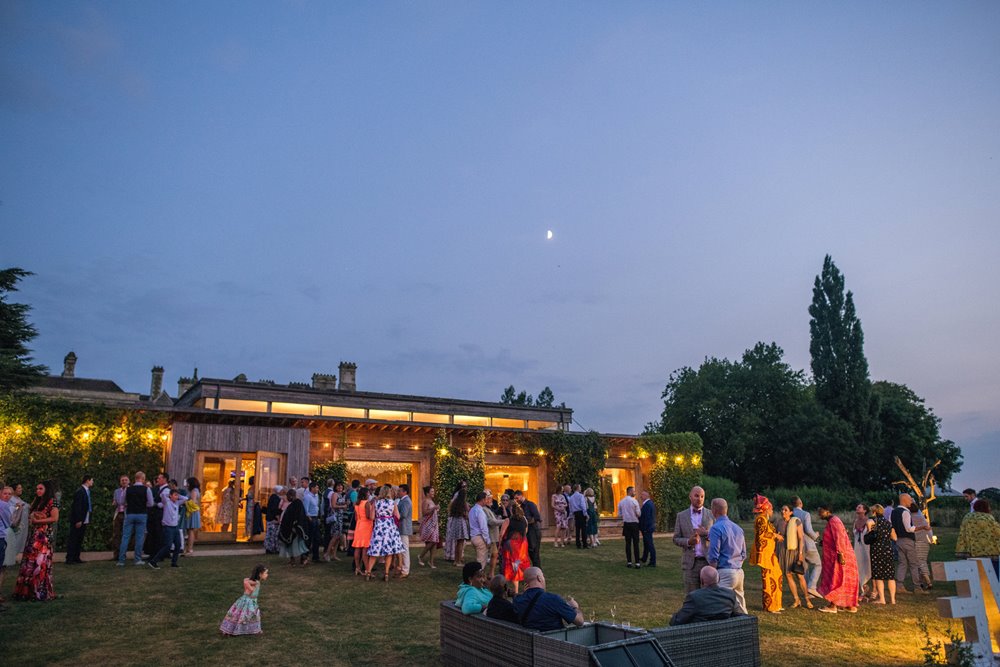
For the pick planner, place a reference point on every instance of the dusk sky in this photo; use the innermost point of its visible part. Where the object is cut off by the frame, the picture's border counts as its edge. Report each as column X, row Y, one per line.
column 272, row 188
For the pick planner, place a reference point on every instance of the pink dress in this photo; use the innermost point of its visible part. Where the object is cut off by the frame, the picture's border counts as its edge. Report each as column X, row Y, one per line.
column 839, row 584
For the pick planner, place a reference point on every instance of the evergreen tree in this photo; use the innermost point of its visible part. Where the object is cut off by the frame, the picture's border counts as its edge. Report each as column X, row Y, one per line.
column 839, row 366
column 509, row 397
column 16, row 369
column 545, row 398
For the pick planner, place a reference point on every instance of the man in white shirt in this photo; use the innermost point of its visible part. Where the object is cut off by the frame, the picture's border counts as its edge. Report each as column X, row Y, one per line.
column 902, row 523
column 691, row 535
column 578, row 508
column 628, row 511
column 479, row 530
column 970, row 497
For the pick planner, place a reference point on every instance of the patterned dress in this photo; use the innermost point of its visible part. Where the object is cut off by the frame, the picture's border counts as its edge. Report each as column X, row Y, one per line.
column 880, row 550
column 839, row 584
column 225, row 512
column 385, row 534
column 243, row 618
column 561, row 508
column 515, row 551
column 430, row 531
column 34, row 581
column 764, row 556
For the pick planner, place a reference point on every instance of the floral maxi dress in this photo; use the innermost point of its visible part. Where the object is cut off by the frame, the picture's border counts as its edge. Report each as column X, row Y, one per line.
column 34, row 580
column 243, row 618
column 385, row 534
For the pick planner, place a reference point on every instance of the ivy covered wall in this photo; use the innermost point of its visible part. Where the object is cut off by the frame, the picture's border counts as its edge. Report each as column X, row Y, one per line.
column 44, row 439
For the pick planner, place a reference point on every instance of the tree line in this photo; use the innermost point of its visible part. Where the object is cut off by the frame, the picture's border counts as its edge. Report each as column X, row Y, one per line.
column 765, row 424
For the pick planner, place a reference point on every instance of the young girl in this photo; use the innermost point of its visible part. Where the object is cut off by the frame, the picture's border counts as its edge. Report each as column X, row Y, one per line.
column 243, row 617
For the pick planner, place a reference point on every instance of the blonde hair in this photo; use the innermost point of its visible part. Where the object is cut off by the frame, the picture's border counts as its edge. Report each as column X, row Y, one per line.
column 386, row 493
column 878, row 510
column 589, row 492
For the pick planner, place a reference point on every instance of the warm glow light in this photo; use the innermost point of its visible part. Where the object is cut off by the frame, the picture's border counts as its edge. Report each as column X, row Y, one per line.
column 443, row 451
column 163, row 437
column 18, row 430
column 326, row 445
column 118, row 436
column 679, row 460
column 661, row 457
column 86, row 435
column 518, row 451
column 494, row 450
column 387, row 446
column 696, row 460
column 541, row 452
column 415, row 448
column 149, row 436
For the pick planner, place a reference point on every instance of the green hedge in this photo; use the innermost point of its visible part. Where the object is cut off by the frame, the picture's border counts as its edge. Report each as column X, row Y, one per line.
column 61, row 441
column 575, row 458
column 720, row 487
column 451, row 465
column 675, row 468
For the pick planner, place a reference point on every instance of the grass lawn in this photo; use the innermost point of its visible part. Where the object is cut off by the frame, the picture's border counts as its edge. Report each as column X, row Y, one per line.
column 322, row 614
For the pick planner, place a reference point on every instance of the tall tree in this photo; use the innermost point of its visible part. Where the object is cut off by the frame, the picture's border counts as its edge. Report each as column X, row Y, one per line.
column 16, row 369
column 545, row 398
column 510, row 397
column 839, row 366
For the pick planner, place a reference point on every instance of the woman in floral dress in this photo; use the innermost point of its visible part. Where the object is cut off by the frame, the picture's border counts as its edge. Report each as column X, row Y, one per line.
column 243, row 618
column 430, row 531
column 763, row 554
column 385, row 542
column 560, row 507
column 34, row 581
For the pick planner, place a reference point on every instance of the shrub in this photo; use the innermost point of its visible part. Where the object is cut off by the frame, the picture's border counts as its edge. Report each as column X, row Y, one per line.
column 720, row 487
column 676, row 467
column 575, row 458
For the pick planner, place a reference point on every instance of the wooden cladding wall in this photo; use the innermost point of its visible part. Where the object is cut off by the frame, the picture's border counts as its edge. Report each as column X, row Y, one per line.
column 189, row 438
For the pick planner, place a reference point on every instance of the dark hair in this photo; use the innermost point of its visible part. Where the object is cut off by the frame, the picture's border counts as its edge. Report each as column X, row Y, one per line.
column 480, row 496
column 252, row 480
column 87, row 478
column 39, row 504
column 193, row 483
column 362, row 494
column 173, row 482
column 257, row 571
column 981, row 505
column 355, row 483
column 427, row 489
column 312, row 485
column 517, row 512
column 824, row 507
column 404, row 488
column 338, row 483
column 971, row 492
column 290, row 494
column 469, row 570
column 457, row 506
column 460, row 485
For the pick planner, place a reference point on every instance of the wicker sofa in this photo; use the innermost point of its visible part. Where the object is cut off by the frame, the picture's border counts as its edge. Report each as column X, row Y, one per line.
column 734, row 642
column 474, row 641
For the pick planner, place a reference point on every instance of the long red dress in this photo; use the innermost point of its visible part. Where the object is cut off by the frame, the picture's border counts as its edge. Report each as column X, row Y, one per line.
column 515, row 556
column 839, row 584
column 34, row 580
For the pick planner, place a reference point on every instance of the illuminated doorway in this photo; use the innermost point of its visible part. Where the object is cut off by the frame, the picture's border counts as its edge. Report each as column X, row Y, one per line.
column 614, row 481
column 226, row 479
column 516, row 478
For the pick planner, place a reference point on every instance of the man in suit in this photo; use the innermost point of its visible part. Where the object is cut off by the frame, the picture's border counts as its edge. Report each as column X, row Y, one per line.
column 711, row 602
column 691, row 535
column 813, row 558
column 405, row 506
column 647, row 524
column 534, row 519
column 79, row 519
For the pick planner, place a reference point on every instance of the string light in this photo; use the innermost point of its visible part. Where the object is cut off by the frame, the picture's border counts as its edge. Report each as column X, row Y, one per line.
column 679, row 460
column 443, row 451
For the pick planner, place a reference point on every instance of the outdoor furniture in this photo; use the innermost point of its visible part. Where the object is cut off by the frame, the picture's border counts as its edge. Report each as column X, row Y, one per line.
column 734, row 642
column 479, row 641
column 476, row 640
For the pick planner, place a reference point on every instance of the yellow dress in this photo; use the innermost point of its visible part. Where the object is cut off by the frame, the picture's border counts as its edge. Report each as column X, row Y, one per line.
column 763, row 555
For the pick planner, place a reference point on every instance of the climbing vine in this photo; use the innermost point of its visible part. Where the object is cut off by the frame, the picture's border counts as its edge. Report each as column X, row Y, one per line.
column 576, row 458
column 451, row 465
column 675, row 466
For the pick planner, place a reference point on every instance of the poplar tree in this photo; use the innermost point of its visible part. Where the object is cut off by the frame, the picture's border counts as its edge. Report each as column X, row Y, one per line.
column 839, row 366
column 16, row 369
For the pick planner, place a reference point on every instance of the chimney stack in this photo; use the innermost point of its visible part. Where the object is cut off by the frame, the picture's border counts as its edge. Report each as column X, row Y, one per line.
column 156, row 384
column 347, row 376
column 183, row 384
column 69, row 365
column 324, row 382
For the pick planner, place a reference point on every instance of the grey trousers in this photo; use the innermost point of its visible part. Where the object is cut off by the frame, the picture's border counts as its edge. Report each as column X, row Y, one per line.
column 908, row 562
column 814, row 568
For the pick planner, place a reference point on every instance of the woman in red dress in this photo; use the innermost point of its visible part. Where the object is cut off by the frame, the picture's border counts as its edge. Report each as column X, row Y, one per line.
column 34, row 581
column 839, row 583
column 515, row 546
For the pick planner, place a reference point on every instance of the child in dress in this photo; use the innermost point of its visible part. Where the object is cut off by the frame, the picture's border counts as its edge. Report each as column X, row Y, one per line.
column 243, row 617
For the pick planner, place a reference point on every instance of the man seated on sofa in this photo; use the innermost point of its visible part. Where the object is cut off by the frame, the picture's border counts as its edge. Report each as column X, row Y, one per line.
column 711, row 602
column 540, row 610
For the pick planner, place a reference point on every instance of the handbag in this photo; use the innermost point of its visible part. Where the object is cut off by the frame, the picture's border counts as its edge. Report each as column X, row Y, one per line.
column 798, row 567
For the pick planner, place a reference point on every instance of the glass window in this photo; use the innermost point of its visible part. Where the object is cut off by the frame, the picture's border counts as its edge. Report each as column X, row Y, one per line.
column 523, row 478
column 389, row 415
column 508, row 423
column 335, row 411
column 431, row 418
column 541, row 426
column 614, row 481
column 295, row 408
column 471, row 420
column 242, row 406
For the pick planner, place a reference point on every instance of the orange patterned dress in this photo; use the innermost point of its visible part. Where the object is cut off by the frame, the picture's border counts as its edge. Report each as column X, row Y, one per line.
column 763, row 555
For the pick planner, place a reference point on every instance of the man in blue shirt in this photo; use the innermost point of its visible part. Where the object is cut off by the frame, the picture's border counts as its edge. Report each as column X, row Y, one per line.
column 540, row 610
column 578, row 507
column 479, row 530
column 727, row 550
column 310, row 500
